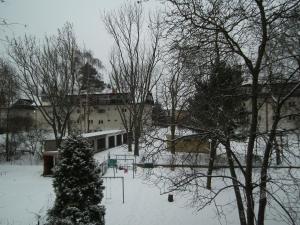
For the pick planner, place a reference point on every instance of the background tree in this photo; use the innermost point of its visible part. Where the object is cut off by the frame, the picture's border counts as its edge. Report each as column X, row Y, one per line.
column 176, row 90
column 90, row 82
column 217, row 109
column 48, row 74
column 9, row 90
column 133, row 61
column 77, row 185
column 159, row 115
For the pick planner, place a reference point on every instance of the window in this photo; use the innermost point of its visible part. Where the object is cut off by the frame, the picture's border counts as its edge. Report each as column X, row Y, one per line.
column 100, row 143
column 108, row 120
column 292, row 117
column 100, row 122
column 101, row 110
column 292, row 104
column 91, row 121
column 116, row 120
column 124, row 110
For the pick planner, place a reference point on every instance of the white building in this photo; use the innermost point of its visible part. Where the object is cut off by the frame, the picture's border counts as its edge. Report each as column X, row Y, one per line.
column 91, row 113
column 290, row 112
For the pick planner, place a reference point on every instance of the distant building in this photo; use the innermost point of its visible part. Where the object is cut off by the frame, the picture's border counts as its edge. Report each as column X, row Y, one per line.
column 266, row 114
column 189, row 144
column 96, row 112
column 92, row 112
column 20, row 116
column 99, row 141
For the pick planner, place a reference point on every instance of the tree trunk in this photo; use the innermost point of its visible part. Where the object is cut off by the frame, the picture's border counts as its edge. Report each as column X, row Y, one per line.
column 278, row 152
column 172, row 141
column 136, row 146
column 7, row 147
column 137, row 135
column 239, row 200
column 250, row 149
column 7, row 144
column 129, row 140
column 212, row 156
column 264, row 173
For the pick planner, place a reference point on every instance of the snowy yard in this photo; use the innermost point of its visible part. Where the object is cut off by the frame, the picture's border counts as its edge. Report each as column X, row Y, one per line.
column 25, row 195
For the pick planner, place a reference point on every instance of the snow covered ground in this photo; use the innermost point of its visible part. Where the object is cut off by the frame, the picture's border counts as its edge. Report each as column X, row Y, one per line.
column 25, row 196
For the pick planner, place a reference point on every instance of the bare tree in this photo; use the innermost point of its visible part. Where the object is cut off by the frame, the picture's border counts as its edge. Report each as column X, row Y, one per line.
column 8, row 95
column 48, row 73
column 133, row 61
column 245, row 31
column 176, row 91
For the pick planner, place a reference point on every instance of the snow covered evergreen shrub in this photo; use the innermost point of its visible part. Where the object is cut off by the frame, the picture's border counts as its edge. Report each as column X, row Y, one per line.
column 78, row 186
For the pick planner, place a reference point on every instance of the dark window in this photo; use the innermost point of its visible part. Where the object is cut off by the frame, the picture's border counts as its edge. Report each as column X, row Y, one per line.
column 125, row 138
column 101, row 110
column 292, row 117
column 119, row 139
column 111, row 142
column 100, row 122
column 101, row 144
column 292, row 104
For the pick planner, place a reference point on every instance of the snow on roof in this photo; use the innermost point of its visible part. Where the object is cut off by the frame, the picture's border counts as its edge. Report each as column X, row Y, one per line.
column 51, row 137
column 99, row 133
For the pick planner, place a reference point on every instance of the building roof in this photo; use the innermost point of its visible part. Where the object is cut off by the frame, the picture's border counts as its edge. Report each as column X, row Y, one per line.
column 100, row 133
column 23, row 104
column 91, row 134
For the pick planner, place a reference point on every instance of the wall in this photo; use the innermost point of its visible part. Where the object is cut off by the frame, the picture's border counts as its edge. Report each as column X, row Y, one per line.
column 266, row 114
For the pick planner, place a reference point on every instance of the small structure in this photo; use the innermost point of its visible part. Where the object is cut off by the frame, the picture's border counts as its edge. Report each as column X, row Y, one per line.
column 190, row 144
column 99, row 141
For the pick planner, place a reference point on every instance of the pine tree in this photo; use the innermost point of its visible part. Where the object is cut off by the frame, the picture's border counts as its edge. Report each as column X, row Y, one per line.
column 78, row 186
column 218, row 101
column 90, row 79
column 159, row 116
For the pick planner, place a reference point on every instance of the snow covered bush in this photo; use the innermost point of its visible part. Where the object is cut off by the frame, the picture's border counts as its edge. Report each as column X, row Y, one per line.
column 77, row 185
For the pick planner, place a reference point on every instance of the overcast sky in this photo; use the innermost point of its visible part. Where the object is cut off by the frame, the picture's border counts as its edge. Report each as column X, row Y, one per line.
column 46, row 16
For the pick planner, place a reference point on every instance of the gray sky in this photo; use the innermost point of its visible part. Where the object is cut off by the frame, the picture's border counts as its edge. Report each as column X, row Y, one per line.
column 46, row 16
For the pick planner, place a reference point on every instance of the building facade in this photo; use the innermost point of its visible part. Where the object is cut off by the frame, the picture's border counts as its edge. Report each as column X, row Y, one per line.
column 267, row 98
column 91, row 113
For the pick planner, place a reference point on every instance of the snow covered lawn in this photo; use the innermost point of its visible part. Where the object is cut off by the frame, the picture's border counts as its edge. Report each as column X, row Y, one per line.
column 24, row 194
